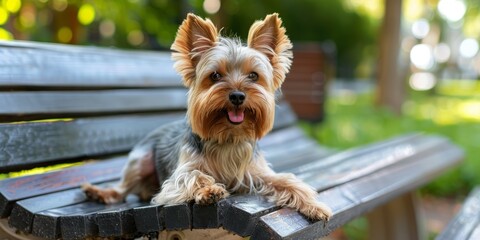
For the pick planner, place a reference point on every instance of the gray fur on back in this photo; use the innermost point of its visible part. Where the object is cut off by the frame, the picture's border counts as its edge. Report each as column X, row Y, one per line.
column 165, row 143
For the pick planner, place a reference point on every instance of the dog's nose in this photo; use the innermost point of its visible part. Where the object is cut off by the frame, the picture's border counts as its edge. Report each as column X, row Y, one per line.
column 237, row 98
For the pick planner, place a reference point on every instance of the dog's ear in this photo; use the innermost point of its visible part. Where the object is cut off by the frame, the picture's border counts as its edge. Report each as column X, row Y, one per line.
column 268, row 37
column 194, row 37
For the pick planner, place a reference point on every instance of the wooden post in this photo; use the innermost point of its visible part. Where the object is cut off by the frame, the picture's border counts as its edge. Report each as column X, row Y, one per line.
column 397, row 220
column 390, row 91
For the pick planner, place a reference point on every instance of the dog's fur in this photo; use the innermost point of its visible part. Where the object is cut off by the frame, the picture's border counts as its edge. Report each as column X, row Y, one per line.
column 231, row 104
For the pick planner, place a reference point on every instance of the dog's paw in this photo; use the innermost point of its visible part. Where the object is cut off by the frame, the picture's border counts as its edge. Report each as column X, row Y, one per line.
column 107, row 196
column 210, row 194
column 317, row 211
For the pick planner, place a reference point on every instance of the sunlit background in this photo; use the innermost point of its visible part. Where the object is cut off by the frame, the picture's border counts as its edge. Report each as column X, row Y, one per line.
column 438, row 60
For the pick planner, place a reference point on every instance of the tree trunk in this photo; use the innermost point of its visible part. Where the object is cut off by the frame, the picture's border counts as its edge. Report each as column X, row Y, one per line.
column 390, row 91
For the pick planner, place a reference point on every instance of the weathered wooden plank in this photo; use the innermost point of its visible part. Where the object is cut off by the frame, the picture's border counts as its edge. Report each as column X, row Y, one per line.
column 178, row 216
column 48, row 223
column 81, row 226
column 467, row 220
column 34, row 143
column 29, row 144
column 356, row 162
column 241, row 213
column 206, row 216
column 15, row 189
column 23, row 211
column 118, row 222
column 47, row 103
column 25, row 64
column 149, row 219
column 354, row 198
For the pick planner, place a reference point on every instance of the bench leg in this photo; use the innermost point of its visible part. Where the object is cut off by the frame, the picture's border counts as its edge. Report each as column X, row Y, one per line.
column 6, row 232
column 397, row 220
column 199, row 234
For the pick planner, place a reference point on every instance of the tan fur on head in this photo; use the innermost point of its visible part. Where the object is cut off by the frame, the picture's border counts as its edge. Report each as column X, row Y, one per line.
column 268, row 36
column 201, row 51
column 194, row 37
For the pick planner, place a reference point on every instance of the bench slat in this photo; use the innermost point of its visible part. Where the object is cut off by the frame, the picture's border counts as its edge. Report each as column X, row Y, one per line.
column 361, row 164
column 466, row 223
column 354, row 198
column 149, row 219
column 98, row 102
column 24, row 210
column 47, row 224
column 15, row 189
column 118, row 222
column 24, row 64
column 29, row 144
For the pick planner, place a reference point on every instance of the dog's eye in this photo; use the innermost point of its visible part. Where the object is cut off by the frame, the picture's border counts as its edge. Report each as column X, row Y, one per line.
column 215, row 76
column 253, row 76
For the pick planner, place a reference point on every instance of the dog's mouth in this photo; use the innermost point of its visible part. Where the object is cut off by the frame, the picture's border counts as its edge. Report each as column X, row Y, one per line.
column 236, row 115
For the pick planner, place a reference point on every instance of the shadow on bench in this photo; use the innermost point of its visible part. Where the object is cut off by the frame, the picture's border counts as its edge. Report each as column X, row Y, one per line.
column 65, row 104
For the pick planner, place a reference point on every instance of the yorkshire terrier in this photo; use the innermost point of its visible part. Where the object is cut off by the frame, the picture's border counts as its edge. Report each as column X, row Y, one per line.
column 231, row 105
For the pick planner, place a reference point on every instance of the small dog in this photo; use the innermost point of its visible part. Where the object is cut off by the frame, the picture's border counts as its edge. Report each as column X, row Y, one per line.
column 231, row 104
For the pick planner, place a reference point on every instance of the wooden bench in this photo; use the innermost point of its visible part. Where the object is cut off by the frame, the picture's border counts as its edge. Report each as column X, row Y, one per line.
column 67, row 104
column 466, row 224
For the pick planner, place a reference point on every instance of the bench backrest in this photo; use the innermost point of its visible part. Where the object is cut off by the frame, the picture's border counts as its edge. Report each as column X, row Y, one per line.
column 63, row 103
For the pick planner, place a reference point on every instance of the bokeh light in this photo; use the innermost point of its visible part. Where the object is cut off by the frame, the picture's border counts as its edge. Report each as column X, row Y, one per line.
column 64, row 35
column 107, row 28
column 60, row 5
column 3, row 16
column 86, row 14
column 420, row 28
column 211, row 6
column 468, row 48
column 5, row 35
column 421, row 56
column 422, row 81
column 28, row 16
column 452, row 10
column 135, row 37
column 12, row 5
column 441, row 52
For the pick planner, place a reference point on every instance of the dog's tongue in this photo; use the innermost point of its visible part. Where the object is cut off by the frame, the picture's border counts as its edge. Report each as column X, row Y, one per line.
column 235, row 116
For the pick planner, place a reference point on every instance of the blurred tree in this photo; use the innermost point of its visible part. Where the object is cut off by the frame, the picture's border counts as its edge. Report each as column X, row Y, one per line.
column 153, row 23
column 308, row 21
column 391, row 89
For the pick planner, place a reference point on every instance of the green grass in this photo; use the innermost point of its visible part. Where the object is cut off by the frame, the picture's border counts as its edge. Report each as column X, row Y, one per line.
column 352, row 120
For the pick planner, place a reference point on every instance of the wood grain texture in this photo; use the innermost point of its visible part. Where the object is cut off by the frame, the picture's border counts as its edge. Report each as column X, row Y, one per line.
column 241, row 213
column 119, row 222
column 15, row 189
column 465, row 225
column 25, row 144
column 149, row 219
column 55, row 65
column 35, row 143
column 354, row 198
column 178, row 216
column 24, row 210
column 100, row 102
column 48, row 223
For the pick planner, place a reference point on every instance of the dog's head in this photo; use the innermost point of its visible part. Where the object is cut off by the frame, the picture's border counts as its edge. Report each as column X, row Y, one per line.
column 231, row 86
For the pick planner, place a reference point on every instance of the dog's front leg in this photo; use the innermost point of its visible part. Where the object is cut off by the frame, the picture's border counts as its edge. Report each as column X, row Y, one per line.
column 287, row 190
column 186, row 184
